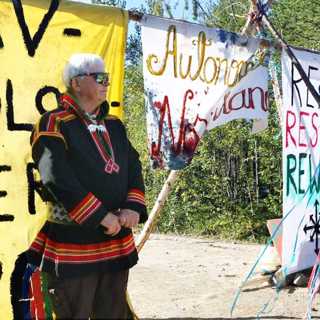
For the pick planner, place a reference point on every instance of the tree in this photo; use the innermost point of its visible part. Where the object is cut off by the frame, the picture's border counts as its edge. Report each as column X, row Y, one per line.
column 234, row 183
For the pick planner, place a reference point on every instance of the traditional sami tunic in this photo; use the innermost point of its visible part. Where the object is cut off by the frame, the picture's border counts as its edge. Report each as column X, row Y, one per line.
column 88, row 168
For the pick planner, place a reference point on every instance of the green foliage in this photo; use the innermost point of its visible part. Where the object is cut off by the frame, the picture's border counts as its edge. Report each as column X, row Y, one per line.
column 218, row 194
column 222, row 192
column 297, row 21
column 227, row 14
column 156, row 7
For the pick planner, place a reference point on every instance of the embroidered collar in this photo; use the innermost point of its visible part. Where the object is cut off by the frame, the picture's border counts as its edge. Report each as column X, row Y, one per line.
column 70, row 102
column 96, row 128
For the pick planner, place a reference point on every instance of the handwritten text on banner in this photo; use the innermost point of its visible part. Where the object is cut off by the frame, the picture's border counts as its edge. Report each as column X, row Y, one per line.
column 197, row 78
column 301, row 155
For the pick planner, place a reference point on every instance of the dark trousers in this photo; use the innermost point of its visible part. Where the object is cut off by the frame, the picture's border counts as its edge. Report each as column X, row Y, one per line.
column 96, row 295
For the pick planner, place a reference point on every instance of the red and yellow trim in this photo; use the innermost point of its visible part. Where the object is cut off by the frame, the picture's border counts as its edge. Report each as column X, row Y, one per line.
column 48, row 134
column 136, row 195
column 53, row 126
column 39, row 242
column 87, row 253
column 56, row 118
column 89, row 205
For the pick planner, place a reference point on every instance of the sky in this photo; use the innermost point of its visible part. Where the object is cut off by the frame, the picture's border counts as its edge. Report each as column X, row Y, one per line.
column 134, row 4
column 179, row 12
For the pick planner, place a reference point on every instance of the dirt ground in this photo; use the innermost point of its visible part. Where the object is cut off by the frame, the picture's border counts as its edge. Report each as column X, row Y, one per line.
column 183, row 277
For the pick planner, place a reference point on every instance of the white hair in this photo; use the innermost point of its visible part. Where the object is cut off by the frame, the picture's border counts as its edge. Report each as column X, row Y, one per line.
column 82, row 63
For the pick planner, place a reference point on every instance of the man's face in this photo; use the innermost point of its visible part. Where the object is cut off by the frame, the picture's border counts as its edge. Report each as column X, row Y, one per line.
column 93, row 87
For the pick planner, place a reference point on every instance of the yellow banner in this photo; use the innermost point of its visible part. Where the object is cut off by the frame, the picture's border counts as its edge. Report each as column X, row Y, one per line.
column 36, row 39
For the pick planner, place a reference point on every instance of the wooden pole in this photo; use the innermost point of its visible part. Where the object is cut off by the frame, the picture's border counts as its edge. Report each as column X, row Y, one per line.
column 173, row 175
column 157, row 209
column 248, row 27
column 254, row 29
column 292, row 56
column 166, row 188
column 274, row 79
column 277, row 93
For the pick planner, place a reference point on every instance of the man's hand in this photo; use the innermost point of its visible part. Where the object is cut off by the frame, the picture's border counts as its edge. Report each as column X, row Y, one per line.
column 128, row 218
column 111, row 223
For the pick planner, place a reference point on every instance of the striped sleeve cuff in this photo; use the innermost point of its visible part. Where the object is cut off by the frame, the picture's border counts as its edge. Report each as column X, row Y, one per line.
column 136, row 195
column 86, row 209
column 136, row 201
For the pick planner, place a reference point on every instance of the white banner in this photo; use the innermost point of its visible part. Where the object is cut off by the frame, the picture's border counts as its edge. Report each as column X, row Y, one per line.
column 301, row 154
column 197, row 78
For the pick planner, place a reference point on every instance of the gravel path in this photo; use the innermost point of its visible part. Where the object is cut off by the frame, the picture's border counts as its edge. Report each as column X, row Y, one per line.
column 183, row 277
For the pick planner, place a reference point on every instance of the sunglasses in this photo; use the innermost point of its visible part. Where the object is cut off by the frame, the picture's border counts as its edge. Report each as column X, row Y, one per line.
column 99, row 77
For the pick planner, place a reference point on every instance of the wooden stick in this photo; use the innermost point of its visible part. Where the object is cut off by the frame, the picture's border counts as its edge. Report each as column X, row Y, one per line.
column 293, row 58
column 248, row 28
column 274, row 79
column 248, row 25
column 165, row 191
column 173, row 175
column 277, row 93
column 156, row 210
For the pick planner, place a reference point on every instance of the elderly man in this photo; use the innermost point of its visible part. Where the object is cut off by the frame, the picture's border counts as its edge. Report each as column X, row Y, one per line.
column 95, row 195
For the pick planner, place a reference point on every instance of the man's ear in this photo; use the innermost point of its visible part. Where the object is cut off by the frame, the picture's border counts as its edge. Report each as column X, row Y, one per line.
column 75, row 84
